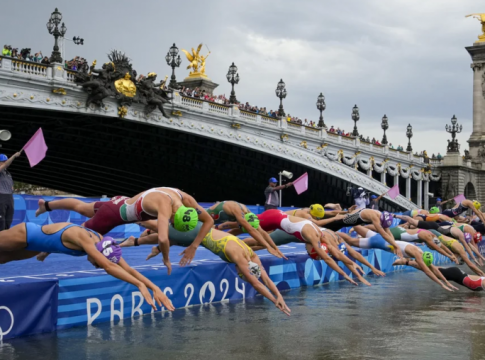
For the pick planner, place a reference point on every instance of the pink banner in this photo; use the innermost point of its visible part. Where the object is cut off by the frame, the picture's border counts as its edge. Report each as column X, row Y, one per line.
column 301, row 184
column 459, row 198
column 36, row 148
column 393, row 192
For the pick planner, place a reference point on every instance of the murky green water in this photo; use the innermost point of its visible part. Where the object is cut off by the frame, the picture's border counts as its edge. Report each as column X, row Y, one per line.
column 404, row 316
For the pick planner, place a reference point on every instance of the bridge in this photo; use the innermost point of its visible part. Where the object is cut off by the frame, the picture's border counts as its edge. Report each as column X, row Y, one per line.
column 213, row 151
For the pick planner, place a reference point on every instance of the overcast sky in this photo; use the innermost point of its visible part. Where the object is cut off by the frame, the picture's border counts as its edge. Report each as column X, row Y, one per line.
column 402, row 58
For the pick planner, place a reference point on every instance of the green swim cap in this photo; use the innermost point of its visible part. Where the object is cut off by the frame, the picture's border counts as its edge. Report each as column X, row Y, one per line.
column 252, row 219
column 434, row 210
column 185, row 219
column 428, row 258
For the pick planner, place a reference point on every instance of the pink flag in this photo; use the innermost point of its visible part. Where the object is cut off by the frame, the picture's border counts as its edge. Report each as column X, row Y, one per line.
column 393, row 192
column 301, row 184
column 36, row 148
column 459, row 198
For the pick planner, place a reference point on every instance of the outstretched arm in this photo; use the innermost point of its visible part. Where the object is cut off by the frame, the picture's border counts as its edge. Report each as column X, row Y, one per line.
column 358, row 256
column 348, row 263
column 386, row 234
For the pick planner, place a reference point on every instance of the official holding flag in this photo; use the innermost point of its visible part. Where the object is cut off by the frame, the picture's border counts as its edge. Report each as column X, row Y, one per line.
column 6, row 191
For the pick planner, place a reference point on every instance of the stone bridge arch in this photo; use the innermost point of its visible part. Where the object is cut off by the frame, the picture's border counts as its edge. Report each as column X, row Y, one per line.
column 470, row 192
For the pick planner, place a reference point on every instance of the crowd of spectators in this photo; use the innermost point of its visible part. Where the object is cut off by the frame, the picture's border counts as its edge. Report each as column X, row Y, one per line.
column 76, row 63
column 338, row 131
column 24, row 54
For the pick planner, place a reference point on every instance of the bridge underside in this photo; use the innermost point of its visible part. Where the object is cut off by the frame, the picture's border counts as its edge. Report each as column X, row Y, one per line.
column 92, row 156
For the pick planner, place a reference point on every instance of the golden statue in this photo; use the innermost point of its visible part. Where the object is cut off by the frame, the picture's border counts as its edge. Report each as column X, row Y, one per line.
column 481, row 18
column 196, row 62
column 125, row 86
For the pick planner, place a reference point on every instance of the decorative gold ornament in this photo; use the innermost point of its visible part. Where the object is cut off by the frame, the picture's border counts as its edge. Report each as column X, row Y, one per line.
column 236, row 126
column 60, row 91
column 92, row 67
column 78, row 103
column 125, row 86
column 162, row 84
column 177, row 113
column 284, row 137
column 481, row 18
column 122, row 111
column 112, row 64
column 31, row 97
column 60, row 68
column 304, row 144
column 15, row 95
column 63, row 101
column 151, row 74
column 48, row 99
column 197, row 62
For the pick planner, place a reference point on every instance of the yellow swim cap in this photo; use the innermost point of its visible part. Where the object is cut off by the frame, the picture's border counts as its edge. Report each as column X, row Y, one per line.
column 477, row 204
column 317, row 211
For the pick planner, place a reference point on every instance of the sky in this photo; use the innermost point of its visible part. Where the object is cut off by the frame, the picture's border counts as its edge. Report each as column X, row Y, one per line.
column 402, row 58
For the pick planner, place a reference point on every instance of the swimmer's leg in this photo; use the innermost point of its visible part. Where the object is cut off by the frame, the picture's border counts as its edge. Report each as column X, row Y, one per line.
column 457, row 248
column 17, row 255
column 151, row 239
column 81, row 207
column 253, row 244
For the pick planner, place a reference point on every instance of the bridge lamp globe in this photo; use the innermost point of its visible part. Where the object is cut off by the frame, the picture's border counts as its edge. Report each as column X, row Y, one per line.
column 173, row 50
column 178, row 61
column 63, row 29
column 168, row 58
column 56, row 17
column 50, row 26
column 454, row 120
column 232, row 69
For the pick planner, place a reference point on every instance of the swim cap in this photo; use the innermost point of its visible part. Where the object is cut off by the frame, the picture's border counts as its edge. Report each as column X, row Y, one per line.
column 314, row 255
column 434, row 210
column 477, row 204
column 109, row 248
column 185, row 219
column 428, row 258
column 478, row 237
column 468, row 237
column 252, row 219
column 3, row 157
column 437, row 241
column 254, row 269
column 317, row 211
column 386, row 219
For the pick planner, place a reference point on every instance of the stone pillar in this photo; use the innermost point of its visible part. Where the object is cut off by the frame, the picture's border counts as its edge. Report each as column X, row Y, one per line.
column 419, row 201
column 396, row 180
column 426, row 194
column 369, row 172
column 383, row 177
column 408, row 187
column 477, row 138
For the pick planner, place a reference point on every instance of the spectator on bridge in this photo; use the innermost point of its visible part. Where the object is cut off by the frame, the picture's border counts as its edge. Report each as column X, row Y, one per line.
column 15, row 52
column 391, row 146
column 439, row 204
column 6, row 191
column 374, row 202
column 361, row 199
column 368, row 139
column 271, row 194
column 6, row 51
column 38, row 56
column 332, row 129
column 45, row 60
column 439, row 157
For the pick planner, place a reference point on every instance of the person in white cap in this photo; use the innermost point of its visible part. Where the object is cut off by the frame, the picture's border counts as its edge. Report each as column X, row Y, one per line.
column 360, row 198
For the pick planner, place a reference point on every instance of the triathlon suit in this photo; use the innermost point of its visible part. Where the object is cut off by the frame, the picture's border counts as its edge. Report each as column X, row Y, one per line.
column 374, row 240
column 349, row 220
column 276, row 219
column 455, row 211
column 400, row 233
column 460, row 277
column 431, row 217
column 218, row 247
column 116, row 212
column 220, row 216
column 280, row 237
column 479, row 227
column 445, row 242
column 38, row 240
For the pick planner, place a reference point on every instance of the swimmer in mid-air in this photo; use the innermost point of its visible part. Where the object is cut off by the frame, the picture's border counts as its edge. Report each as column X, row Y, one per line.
column 26, row 240
column 372, row 240
column 229, row 248
column 228, row 212
column 318, row 212
column 463, row 206
column 170, row 205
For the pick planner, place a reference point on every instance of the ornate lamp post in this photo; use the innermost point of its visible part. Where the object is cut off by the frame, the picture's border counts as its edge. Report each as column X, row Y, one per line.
column 453, row 145
column 233, row 77
column 173, row 61
column 52, row 27
column 281, row 94
column 355, row 117
column 384, row 126
column 321, row 106
column 409, row 134
column 77, row 40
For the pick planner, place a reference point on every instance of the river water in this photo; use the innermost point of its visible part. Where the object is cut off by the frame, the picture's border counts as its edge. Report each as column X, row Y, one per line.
column 403, row 316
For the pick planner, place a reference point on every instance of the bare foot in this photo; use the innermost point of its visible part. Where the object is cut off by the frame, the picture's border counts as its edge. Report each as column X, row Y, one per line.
column 41, row 208
column 42, row 256
column 128, row 242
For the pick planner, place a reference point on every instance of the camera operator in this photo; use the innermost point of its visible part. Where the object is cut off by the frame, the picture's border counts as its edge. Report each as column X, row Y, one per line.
column 361, row 198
